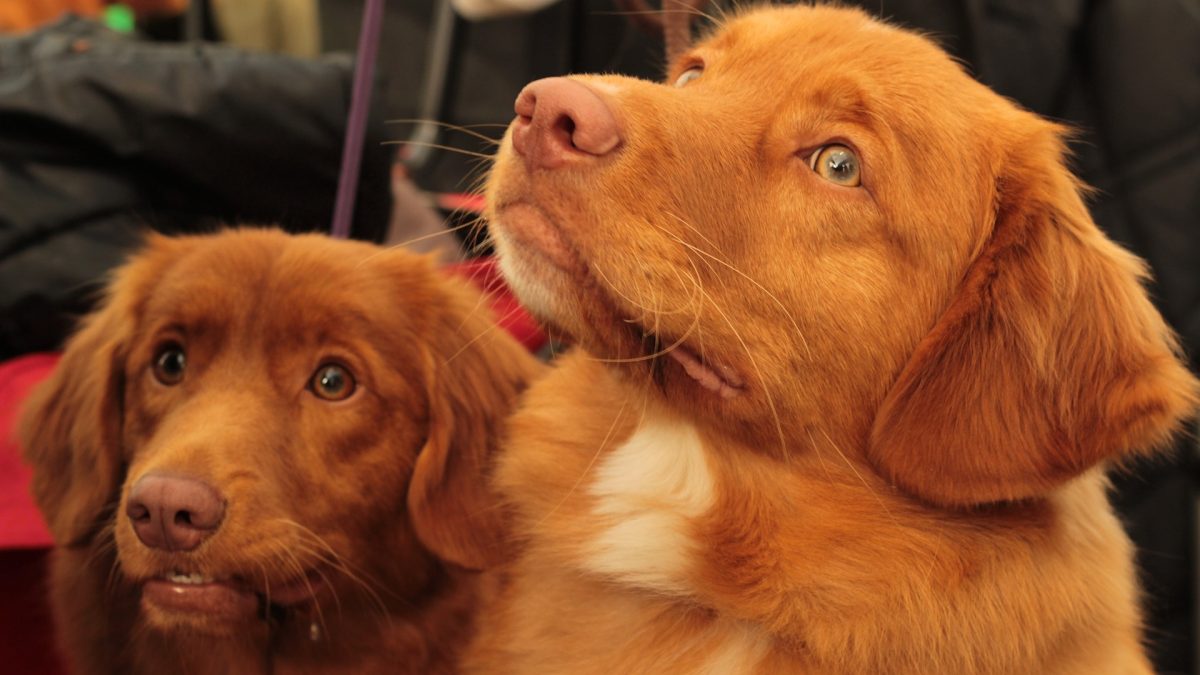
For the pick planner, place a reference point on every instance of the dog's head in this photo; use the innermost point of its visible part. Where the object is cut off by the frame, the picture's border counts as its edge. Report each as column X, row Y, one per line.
column 820, row 226
column 261, row 421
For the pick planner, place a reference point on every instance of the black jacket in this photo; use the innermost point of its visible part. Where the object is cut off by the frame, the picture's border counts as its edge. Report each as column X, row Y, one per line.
column 101, row 136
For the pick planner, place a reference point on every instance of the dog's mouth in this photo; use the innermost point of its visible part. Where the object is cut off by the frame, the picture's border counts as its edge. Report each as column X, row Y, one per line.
column 706, row 372
column 717, row 378
column 531, row 228
column 231, row 598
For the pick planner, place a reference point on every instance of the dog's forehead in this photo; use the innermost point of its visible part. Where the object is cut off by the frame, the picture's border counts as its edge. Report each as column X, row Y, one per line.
column 278, row 284
column 814, row 50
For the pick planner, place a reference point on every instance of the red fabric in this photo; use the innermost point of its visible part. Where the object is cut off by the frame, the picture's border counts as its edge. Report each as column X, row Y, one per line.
column 485, row 273
column 20, row 523
column 461, row 202
column 27, row 645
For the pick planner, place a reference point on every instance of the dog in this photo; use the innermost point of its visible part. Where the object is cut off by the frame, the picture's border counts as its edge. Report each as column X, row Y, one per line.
column 261, row 454
column 852, row 360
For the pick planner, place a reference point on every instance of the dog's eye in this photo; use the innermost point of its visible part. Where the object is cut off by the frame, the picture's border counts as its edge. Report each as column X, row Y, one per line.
column 688, row 75
column 169, row 364
column 332, row 382
column 837, row 164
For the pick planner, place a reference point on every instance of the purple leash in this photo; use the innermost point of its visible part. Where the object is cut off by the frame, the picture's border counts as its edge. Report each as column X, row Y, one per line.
column 356, row 126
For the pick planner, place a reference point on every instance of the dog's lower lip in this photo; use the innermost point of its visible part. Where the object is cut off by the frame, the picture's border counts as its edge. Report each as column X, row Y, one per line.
column 220, row 599
column 227, row 598
column 720, row 379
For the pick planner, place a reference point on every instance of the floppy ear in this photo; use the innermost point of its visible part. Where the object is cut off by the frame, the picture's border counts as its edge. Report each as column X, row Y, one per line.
column 1049, row 359
column 476, row 374
column 71, row 428
column 71, row 424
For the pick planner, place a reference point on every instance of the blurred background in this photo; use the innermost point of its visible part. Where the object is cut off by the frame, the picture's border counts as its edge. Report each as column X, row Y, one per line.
column 181, row 115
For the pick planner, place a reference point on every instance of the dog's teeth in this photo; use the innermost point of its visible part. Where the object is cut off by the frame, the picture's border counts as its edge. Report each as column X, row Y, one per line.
column 194, row 578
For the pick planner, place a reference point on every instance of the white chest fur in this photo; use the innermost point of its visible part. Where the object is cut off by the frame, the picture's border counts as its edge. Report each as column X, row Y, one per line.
column 648, row 491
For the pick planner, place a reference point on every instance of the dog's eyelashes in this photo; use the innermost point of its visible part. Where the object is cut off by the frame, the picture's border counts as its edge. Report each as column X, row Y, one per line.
column 837, row 164
column 333, row 382
column 689, row 75
column 170, row 362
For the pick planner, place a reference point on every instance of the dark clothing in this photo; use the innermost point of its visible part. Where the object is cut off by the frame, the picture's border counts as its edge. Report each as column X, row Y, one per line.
column 101, row 136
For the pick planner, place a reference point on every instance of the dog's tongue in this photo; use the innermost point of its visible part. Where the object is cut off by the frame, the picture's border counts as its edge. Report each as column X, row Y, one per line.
column 725, row 383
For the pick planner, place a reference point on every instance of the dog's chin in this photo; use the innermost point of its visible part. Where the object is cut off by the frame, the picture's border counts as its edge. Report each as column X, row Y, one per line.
column 553, row 282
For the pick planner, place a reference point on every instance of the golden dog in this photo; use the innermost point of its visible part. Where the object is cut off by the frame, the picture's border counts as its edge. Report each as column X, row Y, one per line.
column 854, row 358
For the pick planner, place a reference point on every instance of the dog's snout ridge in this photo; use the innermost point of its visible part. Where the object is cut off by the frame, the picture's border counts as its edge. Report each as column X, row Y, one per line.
column 174, row 513
column 560, row 121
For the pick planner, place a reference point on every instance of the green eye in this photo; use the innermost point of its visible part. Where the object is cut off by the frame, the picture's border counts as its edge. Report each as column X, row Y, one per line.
column 837, row 164
column 169, row 364
column 332, row 382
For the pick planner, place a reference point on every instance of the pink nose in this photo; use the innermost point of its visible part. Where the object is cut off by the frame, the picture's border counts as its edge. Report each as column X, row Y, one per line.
column 174, row 513
column 560, row 121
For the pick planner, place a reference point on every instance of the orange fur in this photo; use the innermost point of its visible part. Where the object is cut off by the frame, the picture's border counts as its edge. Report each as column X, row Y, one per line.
column 936, row 369
column 380, row 493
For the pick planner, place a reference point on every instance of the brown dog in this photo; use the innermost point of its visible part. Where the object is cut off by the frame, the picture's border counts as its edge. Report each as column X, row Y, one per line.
column 854, row 358
column 262, row 454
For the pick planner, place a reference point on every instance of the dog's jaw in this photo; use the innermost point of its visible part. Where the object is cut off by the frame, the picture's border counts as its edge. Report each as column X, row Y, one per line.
column 555, row 283
column 225, row 604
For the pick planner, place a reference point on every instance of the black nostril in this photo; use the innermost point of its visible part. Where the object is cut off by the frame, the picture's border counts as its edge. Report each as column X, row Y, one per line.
column 183, row 518
column 565, row 126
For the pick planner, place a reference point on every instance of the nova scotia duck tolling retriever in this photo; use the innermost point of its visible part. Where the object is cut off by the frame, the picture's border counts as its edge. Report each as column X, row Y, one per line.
column 852, row 361
column 262, row 454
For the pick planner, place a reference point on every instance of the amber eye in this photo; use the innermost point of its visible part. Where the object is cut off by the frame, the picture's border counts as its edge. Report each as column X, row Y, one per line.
column 689, row 75
column 837, row 164
column 169, row 364
column 332, row 382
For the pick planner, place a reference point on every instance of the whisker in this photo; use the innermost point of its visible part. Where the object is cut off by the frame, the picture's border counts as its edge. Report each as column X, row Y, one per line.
column 438, row 146
column 586, row 469
column 409, row 242
column 761, row 378
column 787, row 313
column 418, row 120
column 452, row 127
column 862, row 480
column 634, row 303
column 328, row 555
column 692, row 11
column 820, row 456
column 487, row 331
column 290, row 557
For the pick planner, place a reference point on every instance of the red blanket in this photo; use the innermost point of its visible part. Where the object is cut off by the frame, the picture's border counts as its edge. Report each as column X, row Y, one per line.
column 27, row 645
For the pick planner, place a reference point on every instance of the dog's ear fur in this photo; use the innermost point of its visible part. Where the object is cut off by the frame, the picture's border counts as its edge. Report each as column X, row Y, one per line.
column 1049, row 359
column 476, row 374
column 71, row 424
